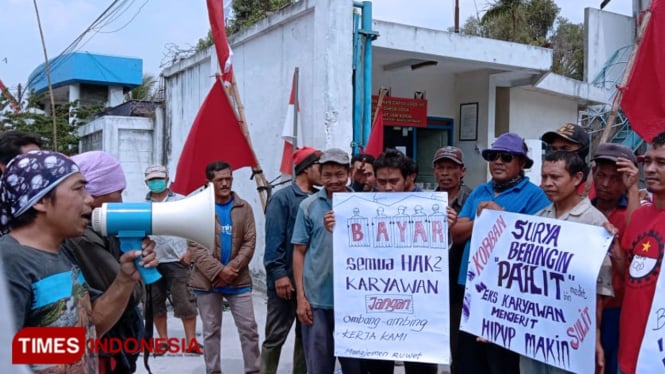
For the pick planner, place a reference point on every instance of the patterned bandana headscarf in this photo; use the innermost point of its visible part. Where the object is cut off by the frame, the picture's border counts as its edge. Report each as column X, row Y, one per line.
column 102, row 171
column 28, row 178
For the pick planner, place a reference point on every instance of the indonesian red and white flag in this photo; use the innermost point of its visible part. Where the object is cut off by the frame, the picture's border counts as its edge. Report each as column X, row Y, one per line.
column 286, row 166
column 222, row 48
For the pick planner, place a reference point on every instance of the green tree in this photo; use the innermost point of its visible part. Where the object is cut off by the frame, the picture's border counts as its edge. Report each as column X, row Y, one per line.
column 521, row 21
column 205, row 43
column 534, row 22
column 511, row 9
column 33, row 119
column 146, row 91
column 540, row 16
column 568, row 45
column 249, row 12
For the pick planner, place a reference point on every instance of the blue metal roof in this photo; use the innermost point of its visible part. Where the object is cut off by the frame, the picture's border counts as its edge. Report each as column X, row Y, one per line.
column 90, row 68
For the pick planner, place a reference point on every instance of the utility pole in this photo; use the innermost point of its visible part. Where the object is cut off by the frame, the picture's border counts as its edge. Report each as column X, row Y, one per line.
column 47, row 68
column 457, row 16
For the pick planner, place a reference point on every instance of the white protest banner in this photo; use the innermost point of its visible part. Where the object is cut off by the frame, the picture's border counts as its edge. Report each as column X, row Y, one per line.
column 391, row 276
column 531, row 287
column 652, row 351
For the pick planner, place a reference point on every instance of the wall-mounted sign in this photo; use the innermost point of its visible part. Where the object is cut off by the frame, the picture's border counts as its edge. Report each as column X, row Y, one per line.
column 400, row 111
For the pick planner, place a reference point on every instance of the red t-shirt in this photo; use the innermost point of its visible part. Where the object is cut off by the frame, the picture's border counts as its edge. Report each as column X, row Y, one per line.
column 643, row 240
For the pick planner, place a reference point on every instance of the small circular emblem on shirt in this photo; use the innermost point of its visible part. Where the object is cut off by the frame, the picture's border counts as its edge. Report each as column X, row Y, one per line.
column 647, row 259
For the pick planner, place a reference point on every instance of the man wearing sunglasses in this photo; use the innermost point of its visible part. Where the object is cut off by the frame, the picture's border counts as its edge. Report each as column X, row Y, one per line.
column 509, row 190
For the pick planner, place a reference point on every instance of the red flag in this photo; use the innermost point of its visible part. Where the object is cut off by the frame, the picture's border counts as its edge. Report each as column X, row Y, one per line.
column 375, row 142
column 286, row 166
column 643, row 96
column 215, row 136
column 216, row 16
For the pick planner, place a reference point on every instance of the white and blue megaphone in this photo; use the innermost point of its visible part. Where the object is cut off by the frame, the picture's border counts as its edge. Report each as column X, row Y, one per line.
column 190, row 218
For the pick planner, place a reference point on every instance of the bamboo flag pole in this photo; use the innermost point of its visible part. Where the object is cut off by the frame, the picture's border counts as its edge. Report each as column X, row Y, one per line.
column 379, row 102
column 296, row 77
column 262, row 184
column 626, row 75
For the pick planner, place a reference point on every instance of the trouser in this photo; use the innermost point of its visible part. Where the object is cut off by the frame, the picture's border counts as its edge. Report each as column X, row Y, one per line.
column 319, row 346
column 280, row 318
column 609, row 333
column 420, row 368
column 211, row 309
column 478, row 357
column 456, row 302
column 368, row 366
column 531, row 366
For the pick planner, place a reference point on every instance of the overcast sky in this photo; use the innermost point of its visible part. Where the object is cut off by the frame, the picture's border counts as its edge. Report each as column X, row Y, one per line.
column 147, row 26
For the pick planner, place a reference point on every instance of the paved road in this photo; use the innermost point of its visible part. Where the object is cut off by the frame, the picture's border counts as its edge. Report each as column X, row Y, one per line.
column 231, row 352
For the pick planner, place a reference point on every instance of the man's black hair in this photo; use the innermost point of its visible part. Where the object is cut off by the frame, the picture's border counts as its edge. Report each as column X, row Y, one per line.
column 216, row 166
column 413, row 166
column 362, row 156
column 12, row 141
column 658, row 140
column 393, row 158
column 572, row 161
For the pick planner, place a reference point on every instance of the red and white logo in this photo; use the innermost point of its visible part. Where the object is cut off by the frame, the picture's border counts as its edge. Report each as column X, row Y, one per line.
column 48, row 345
column 66, row 345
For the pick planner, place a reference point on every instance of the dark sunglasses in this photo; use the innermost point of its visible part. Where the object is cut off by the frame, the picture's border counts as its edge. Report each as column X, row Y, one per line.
column 505, row 156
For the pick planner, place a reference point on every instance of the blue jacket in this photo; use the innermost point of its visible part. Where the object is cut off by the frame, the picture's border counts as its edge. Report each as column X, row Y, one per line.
column 281, row 213
column 525, row 198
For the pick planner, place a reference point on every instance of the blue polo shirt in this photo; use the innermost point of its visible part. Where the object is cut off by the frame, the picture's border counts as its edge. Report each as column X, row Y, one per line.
column 525, row 197
column 318, row 266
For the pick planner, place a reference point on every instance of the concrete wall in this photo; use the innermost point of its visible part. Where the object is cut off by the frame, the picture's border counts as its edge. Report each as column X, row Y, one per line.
column 606, row 32
column 502, row 114
column 532, row 113
column 445, row 93
column 471, row 88
column 304, row 35
column 440, row 88
column 527, row 112
column 186, row 85
column 461, row 47
column 131, row 141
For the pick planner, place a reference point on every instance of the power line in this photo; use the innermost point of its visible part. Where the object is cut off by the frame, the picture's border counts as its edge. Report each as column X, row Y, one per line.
column 113, row 12
column 128, row 22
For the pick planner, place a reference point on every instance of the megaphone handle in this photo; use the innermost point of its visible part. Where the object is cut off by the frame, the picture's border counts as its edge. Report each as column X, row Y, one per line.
column 149, row 275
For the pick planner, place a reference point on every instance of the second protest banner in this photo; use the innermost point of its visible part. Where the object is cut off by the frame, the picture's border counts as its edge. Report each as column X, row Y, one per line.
column 391, row 276
column 531, row 287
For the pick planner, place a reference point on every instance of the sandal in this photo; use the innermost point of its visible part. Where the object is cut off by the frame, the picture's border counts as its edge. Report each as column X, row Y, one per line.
column 198, row 350
column 160, row 349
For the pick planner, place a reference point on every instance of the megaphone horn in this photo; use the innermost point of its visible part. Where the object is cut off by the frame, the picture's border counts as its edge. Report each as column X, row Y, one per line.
column 190, row 218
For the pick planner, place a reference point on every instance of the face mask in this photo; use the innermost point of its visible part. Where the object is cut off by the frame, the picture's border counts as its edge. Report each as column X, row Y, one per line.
column 157, row 185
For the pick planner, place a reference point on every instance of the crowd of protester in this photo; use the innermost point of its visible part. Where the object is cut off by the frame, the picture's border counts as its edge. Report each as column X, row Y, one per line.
column 46, row 200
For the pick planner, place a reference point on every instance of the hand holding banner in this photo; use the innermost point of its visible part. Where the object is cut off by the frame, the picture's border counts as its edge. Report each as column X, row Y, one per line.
column 531, row 287
column 391, row 276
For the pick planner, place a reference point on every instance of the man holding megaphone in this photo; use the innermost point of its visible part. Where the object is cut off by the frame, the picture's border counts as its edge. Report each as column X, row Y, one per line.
column 44, row 202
